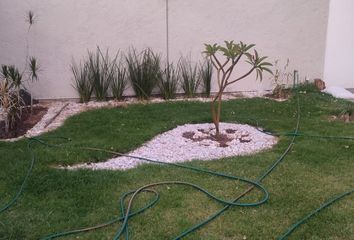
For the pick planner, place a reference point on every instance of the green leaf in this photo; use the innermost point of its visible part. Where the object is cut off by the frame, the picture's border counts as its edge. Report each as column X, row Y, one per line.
column 249, row 47
column 267, row 70
column 265, row 64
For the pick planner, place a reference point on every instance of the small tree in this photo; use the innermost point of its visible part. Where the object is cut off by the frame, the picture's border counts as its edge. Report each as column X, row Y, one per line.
column 231, row 54
column 31, row 62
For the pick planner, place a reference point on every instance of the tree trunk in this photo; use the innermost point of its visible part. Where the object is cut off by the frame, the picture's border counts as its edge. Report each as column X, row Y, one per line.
column 216, row 112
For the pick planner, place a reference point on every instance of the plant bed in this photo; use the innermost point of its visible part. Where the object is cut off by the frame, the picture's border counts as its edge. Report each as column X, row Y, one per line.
column 27, row 121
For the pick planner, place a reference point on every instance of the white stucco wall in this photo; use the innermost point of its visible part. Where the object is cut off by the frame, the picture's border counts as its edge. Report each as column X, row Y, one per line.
column 339, row 60
column 65, row 29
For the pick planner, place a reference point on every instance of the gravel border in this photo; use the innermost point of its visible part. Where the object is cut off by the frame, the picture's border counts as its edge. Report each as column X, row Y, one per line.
column 172, row 146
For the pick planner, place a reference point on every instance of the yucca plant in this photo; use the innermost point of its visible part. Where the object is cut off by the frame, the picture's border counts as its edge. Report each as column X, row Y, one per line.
column 10, row 100
column 190, row 80
column 205, row 74
column 168, row 82
column 82, row 83
column 143, row 71
column 100, row 73
column 33, row 74
column 14, row 77
column 119, row 82
column 30, row 18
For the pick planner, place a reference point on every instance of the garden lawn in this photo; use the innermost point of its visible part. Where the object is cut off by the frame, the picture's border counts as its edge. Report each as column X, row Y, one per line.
column 314, row 171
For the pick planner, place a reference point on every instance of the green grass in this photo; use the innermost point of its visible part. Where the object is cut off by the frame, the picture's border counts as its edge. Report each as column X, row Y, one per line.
column 314, row 171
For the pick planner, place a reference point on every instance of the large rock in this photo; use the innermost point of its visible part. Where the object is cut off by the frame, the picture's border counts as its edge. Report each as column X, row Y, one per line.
column 26, row 97
column 320, row 84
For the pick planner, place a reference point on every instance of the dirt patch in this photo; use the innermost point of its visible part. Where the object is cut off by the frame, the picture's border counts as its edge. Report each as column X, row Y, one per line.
column 223, row 139
column 229, row 130
column 279, row 94
column 24, row 124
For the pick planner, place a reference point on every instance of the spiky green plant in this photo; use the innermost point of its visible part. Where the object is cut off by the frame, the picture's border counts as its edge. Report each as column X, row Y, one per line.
column 119, row 82
column 10, row 99
column 33, row 68
column 101, row 72
column 168, row 82
column 13, row 74
column 205, row 74
column 15, row 77
column 143, row 71
column 33, row 74
column 30, row 18
column 190, row 80
column 82, row 83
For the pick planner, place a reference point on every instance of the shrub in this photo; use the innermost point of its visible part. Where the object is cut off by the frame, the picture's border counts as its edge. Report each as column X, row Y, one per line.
column 205, row 74
column 82, row 82
column 119, row 82
column 143, row 71
column 190, row 80
column 168, row 82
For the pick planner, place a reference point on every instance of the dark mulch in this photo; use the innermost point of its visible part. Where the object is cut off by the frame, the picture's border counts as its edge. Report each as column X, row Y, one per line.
column 26, row 122
column 222, row 139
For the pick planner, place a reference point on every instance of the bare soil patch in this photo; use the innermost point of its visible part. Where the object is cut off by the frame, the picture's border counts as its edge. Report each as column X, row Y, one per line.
column 27, row 121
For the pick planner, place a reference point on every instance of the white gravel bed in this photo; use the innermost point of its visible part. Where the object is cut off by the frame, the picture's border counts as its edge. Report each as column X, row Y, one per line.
column 75, row 108
column 173, row 146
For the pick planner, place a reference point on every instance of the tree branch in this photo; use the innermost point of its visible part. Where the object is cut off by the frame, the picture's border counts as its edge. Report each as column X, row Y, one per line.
column 243, row 76
column 218, row 63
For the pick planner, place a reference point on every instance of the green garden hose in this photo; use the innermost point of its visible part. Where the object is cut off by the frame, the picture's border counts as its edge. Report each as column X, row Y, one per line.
column 19, row 192
column 124, row 226
column 127, row 213
column 308, row 216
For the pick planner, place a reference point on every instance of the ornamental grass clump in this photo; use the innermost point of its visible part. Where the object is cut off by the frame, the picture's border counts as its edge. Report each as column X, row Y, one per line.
column 143, row 71
column 168, row 82
column 224, row 58
column 190, row 79
column 96, row 75
column 206, row 74
column 119, row 82
column 82, row 82
column 101, row 72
